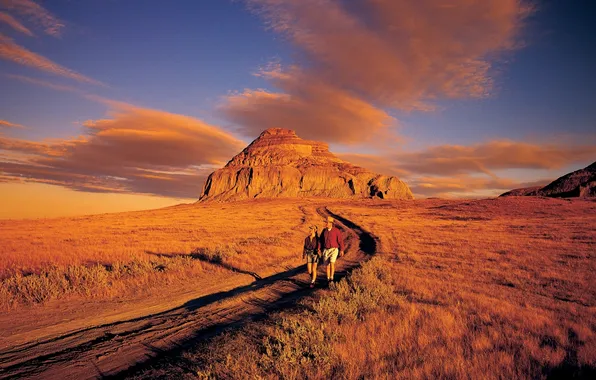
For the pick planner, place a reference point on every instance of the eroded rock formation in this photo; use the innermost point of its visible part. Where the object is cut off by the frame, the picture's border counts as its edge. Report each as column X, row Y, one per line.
column 281, row 164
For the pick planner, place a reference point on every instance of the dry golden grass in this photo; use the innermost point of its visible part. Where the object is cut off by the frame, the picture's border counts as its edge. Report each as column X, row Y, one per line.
column 492, row 288
column 500, row 288
column 112, row 254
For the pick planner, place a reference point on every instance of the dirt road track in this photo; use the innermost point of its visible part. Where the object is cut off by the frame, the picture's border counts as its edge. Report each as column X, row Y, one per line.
column 123, row 347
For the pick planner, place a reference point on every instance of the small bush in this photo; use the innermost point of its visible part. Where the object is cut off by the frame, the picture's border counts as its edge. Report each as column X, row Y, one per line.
column 366, row 289
column 294, row 345
column 86, row 279
column 217, row 255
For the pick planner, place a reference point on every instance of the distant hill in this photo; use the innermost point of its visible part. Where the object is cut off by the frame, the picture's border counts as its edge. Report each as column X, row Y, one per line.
column 280, row 164
column 580, row 183
column 523, row 191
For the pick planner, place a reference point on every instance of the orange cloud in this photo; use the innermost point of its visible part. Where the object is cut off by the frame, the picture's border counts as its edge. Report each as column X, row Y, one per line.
column 465, row 186
column 455, row 170
column 36, row 14
column 313, row 109
column 136, row 150
column 399, row 52
column 14, row 23
column 43, row 83
column 7, row 124
column 358, row 56
column 493, row 155
column 12, row 52
column 377, row 163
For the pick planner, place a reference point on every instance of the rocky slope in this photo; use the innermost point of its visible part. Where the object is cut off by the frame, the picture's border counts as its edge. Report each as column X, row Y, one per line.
column 281, row 164
column 580, row 183
column 523, row 191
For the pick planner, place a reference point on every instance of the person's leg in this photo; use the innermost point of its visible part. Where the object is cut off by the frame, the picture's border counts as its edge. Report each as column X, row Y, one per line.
column 309, row 266
column 314, row 272
column 332, row 258
column 328, row 270
column 326, row 262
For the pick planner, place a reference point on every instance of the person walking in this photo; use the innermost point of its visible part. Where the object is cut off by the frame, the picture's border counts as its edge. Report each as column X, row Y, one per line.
column 311, row 253
column 332, row 245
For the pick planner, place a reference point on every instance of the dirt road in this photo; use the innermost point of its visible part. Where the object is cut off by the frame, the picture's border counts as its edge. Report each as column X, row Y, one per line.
column 118, row 343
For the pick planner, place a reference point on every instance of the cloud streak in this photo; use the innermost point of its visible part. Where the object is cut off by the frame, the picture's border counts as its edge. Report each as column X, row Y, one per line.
column 11, row 51
column 493, row 155
column 466, row 186
column 136, row 150
column 43, row 83
column 15, row 24
column 36, row 14
column 7, row 124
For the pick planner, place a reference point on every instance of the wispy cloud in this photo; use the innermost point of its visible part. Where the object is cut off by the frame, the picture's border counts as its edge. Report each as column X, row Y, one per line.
column 466, row 186
column 15, row 24
column 36, row 14
column 11, row 51
column 44, row 83
column 7, row 124
column 399, row 52
column 378, row 53
column 135, row 150
column 494, row 155
column 457, row 170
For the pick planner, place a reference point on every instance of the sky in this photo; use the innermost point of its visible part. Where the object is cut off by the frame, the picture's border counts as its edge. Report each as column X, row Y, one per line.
column 114, row 105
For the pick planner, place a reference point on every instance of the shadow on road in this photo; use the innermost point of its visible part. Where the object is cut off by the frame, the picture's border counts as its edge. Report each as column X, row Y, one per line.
column 368, row 242
column 287, row 297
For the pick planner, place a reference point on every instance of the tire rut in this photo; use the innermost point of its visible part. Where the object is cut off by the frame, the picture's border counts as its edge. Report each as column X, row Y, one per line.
column 125, row 347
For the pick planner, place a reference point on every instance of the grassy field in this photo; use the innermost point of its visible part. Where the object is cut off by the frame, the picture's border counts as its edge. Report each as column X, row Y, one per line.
column 502, row 286
column 499, row 288
column 495, row 288
column 112, row 255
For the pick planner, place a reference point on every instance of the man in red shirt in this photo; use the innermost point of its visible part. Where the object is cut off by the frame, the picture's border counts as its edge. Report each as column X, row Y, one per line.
column 332, row 245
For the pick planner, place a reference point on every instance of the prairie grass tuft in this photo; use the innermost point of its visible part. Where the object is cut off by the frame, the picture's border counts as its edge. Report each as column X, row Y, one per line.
column 90, row 281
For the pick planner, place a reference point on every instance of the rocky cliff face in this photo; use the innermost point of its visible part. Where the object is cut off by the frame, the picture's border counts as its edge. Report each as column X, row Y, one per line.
column 281, row 164
column 580, row 183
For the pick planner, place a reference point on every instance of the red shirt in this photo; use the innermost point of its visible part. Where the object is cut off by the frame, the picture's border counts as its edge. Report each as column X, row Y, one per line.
column 332, row 239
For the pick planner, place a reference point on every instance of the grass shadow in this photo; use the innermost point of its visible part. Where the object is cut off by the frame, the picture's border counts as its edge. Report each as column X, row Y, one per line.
column 205, row 257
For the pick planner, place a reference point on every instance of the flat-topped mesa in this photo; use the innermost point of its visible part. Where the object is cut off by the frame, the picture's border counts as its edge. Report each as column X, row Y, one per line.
column 280, row 146
column 280, row 164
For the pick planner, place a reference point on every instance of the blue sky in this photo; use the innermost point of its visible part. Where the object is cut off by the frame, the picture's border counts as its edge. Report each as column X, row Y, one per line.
column 233, row 65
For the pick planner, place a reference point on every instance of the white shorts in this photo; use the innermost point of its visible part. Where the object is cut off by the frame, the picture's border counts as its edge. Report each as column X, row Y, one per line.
column 330, row 255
